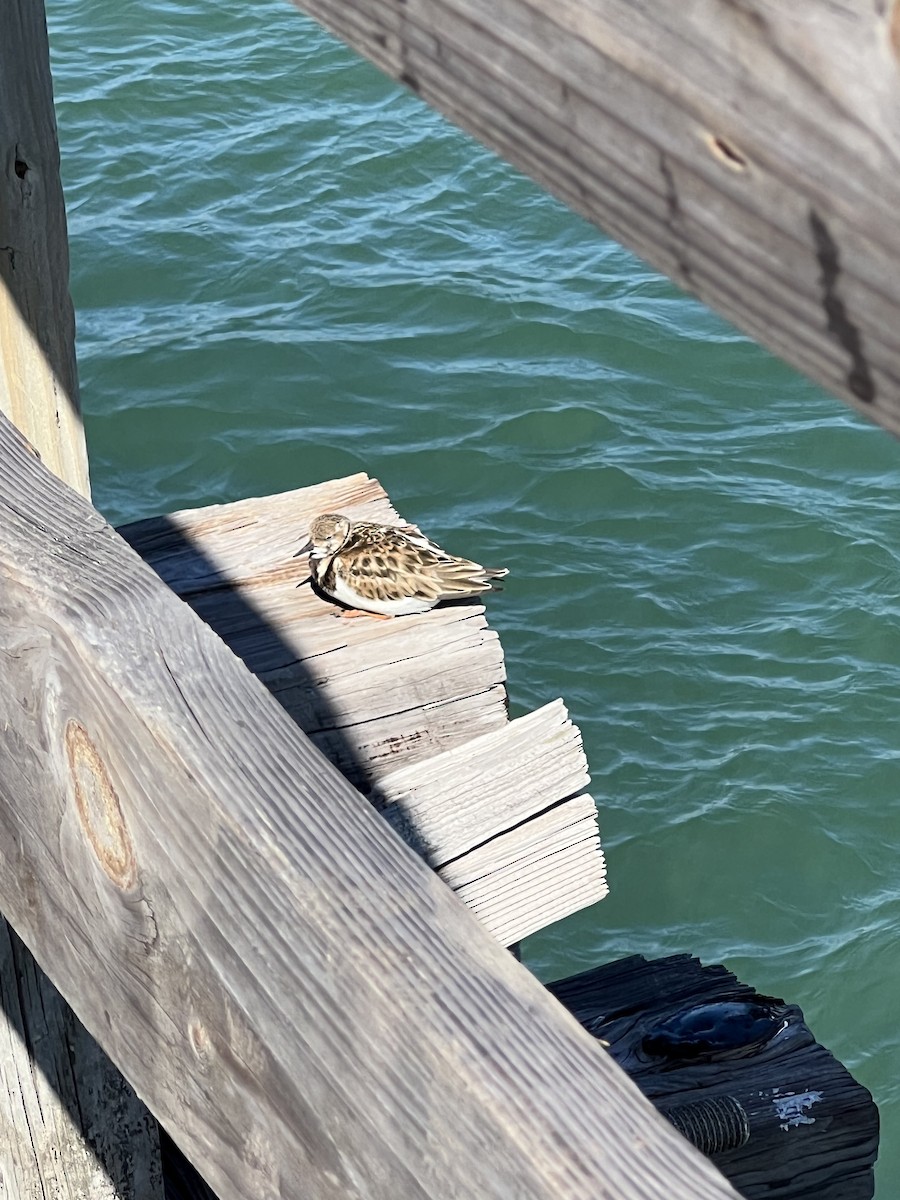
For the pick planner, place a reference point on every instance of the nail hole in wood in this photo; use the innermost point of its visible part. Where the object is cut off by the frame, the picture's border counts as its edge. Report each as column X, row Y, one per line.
column 726, row 152
column 21, row 168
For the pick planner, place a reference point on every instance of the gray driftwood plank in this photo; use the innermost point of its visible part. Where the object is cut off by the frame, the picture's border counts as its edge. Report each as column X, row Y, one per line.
column 304, row 1004
column 749, row 150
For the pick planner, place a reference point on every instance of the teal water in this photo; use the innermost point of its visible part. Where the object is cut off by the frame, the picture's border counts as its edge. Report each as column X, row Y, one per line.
column 285, row 269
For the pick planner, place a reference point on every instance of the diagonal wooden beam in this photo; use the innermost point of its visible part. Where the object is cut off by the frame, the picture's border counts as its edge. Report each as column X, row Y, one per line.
column 299, row 999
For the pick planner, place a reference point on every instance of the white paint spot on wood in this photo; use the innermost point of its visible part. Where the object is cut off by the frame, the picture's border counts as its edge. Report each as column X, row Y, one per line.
column 793, row 1110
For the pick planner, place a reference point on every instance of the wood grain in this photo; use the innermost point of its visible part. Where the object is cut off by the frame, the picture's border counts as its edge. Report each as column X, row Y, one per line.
column 466, row 796
column 299, row 998
column 499, row 820
column 751, row 151
column 531, row 876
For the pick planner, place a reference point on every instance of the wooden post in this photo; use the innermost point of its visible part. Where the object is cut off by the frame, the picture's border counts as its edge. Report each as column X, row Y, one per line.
column 71, row 1126
column 749, row 150
column 302, row 1002
column 38, row 380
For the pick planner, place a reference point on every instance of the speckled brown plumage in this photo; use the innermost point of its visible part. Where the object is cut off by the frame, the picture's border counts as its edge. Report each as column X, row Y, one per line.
column 389, row 570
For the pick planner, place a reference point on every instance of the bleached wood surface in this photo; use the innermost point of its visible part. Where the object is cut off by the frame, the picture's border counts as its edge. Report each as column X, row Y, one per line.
column 468, row 795
column 425, row 691
column 749, row 150
column 533, row 875
column 296, row 995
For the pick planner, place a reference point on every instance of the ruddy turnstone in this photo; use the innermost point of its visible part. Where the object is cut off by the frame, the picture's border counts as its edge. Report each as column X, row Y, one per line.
column 388, row 571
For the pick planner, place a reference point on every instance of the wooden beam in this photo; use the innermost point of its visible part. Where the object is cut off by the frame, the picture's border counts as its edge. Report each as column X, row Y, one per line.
column 749, row 150
column 466, row 796
column 296, row 995
column 499, row 819
column 38, row 378
column 779, row 1114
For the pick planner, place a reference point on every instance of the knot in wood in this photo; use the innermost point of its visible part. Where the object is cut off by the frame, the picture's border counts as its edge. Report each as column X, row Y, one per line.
column 199, row 1038
column 98, row 808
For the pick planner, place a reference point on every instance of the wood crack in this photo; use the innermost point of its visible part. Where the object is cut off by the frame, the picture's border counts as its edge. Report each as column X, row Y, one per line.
column 675, row 222
column 845, row 332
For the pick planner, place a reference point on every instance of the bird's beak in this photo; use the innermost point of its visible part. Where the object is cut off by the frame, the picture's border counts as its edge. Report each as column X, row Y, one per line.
column 304, row 549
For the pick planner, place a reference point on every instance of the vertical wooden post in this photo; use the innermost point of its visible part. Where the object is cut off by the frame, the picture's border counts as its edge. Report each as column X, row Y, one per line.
column 70, row 1125
column 38, row 379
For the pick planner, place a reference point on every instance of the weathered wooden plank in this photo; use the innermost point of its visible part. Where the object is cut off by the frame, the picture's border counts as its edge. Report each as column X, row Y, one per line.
column 751, row 151
column 781, row 1116
column 468, row 795
column 472, row 813
column 372, row 694
column 495, row 817
column 530, row 877
column 362, row 752
column 244, row 540
column 38, row 379
column 304, row 1004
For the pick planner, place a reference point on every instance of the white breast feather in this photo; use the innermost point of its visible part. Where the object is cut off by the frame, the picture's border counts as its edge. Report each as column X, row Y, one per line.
column 391, row 608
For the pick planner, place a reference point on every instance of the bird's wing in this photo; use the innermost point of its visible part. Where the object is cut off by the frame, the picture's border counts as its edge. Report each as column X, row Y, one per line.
column 387, row 563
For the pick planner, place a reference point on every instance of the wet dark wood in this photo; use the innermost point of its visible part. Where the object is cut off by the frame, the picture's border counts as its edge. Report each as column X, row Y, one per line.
column 783, row 1120
column 750, row 150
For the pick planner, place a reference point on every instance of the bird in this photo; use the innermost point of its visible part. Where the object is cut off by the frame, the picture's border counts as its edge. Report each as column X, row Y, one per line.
column 387, row 570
